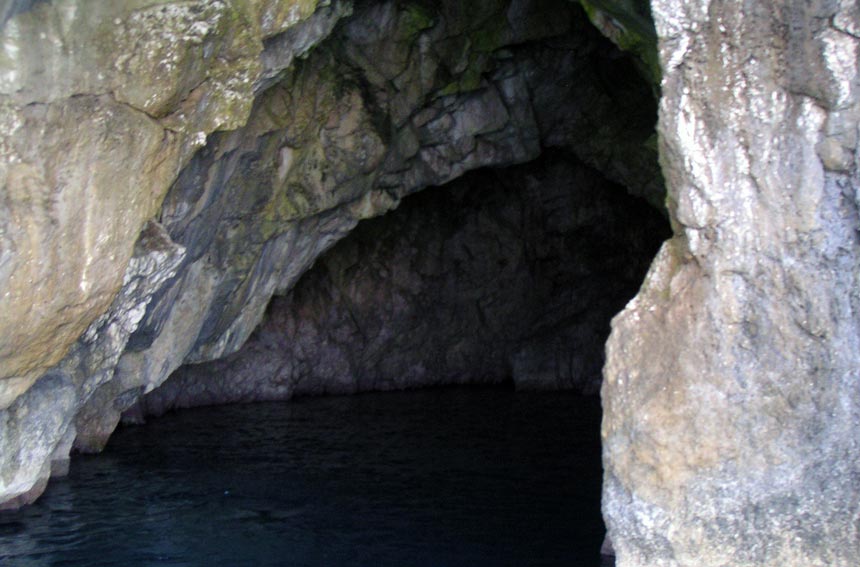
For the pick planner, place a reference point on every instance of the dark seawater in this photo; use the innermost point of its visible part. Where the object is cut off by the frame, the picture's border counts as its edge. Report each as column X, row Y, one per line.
column 440, row 477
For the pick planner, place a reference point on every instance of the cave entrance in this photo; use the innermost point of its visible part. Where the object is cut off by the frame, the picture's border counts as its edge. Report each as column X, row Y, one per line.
column 504, row 276
column 508, row 275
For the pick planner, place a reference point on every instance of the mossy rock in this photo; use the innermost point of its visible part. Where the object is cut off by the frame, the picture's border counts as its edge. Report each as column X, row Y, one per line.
column 414, row 19
column 628, row 23
column 471, row 79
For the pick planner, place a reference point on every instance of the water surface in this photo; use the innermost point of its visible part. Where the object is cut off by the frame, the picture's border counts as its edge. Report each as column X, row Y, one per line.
column 440, row 477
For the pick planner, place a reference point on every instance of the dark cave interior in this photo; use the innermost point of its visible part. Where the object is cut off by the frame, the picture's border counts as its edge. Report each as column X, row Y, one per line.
column 506, row 274
column 541, row 214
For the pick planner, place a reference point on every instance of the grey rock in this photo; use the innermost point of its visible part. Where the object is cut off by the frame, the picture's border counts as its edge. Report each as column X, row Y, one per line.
column 39, row 427
column 282, row 49
column 257, row 142
column 94, row 361
column 31, row 429
column 730, row 394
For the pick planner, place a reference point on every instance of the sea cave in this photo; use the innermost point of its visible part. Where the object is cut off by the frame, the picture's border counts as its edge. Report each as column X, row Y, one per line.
column 429, row 282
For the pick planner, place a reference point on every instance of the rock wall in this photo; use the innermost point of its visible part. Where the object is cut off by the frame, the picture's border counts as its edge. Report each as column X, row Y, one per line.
column 509, row 274
column 168, row 167
column 731, row 394
column 101, row 106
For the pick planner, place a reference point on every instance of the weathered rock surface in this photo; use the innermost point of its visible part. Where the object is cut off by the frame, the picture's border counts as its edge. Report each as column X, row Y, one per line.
column 503, row 274
column 101, row 106
column 731, row 396
column 166, row 167
column 257, row 134
column 37, row 429
column 334, row 142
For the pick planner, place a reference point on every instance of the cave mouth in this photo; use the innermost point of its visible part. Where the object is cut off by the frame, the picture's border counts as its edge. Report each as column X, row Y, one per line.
column 504, row 277
column 507, row 275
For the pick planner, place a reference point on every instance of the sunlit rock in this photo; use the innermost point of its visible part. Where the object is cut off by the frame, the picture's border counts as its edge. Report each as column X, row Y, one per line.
column 731, row 392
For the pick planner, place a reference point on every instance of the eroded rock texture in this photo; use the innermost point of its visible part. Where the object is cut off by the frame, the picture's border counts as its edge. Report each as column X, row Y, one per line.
column 101, row 106
column 503, row 274
column 166, row 167
column 732, row 403
column 170, row 166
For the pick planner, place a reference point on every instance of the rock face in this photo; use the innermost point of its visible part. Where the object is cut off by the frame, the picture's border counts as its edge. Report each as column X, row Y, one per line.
column 170, row 166
column 731, row 394
column 502, row 274
column 101, row 107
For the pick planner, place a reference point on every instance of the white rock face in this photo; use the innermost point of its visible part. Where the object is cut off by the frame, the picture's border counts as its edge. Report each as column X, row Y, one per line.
column 101, row 105
column 732, row 389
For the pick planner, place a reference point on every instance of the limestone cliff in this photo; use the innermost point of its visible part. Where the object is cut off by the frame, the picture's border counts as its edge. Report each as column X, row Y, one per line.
column 731, row 393
column 166, row 167
column 102, row 105
column 169, row 166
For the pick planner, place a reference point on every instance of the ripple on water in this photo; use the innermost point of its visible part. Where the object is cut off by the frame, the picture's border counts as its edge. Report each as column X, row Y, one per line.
column 443, row 477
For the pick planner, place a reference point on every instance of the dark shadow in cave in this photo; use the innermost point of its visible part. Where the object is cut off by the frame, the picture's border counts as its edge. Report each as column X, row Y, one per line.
column 504, row 274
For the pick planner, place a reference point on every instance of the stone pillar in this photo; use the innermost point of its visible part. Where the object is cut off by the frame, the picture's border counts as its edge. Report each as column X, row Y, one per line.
column 732, row 384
